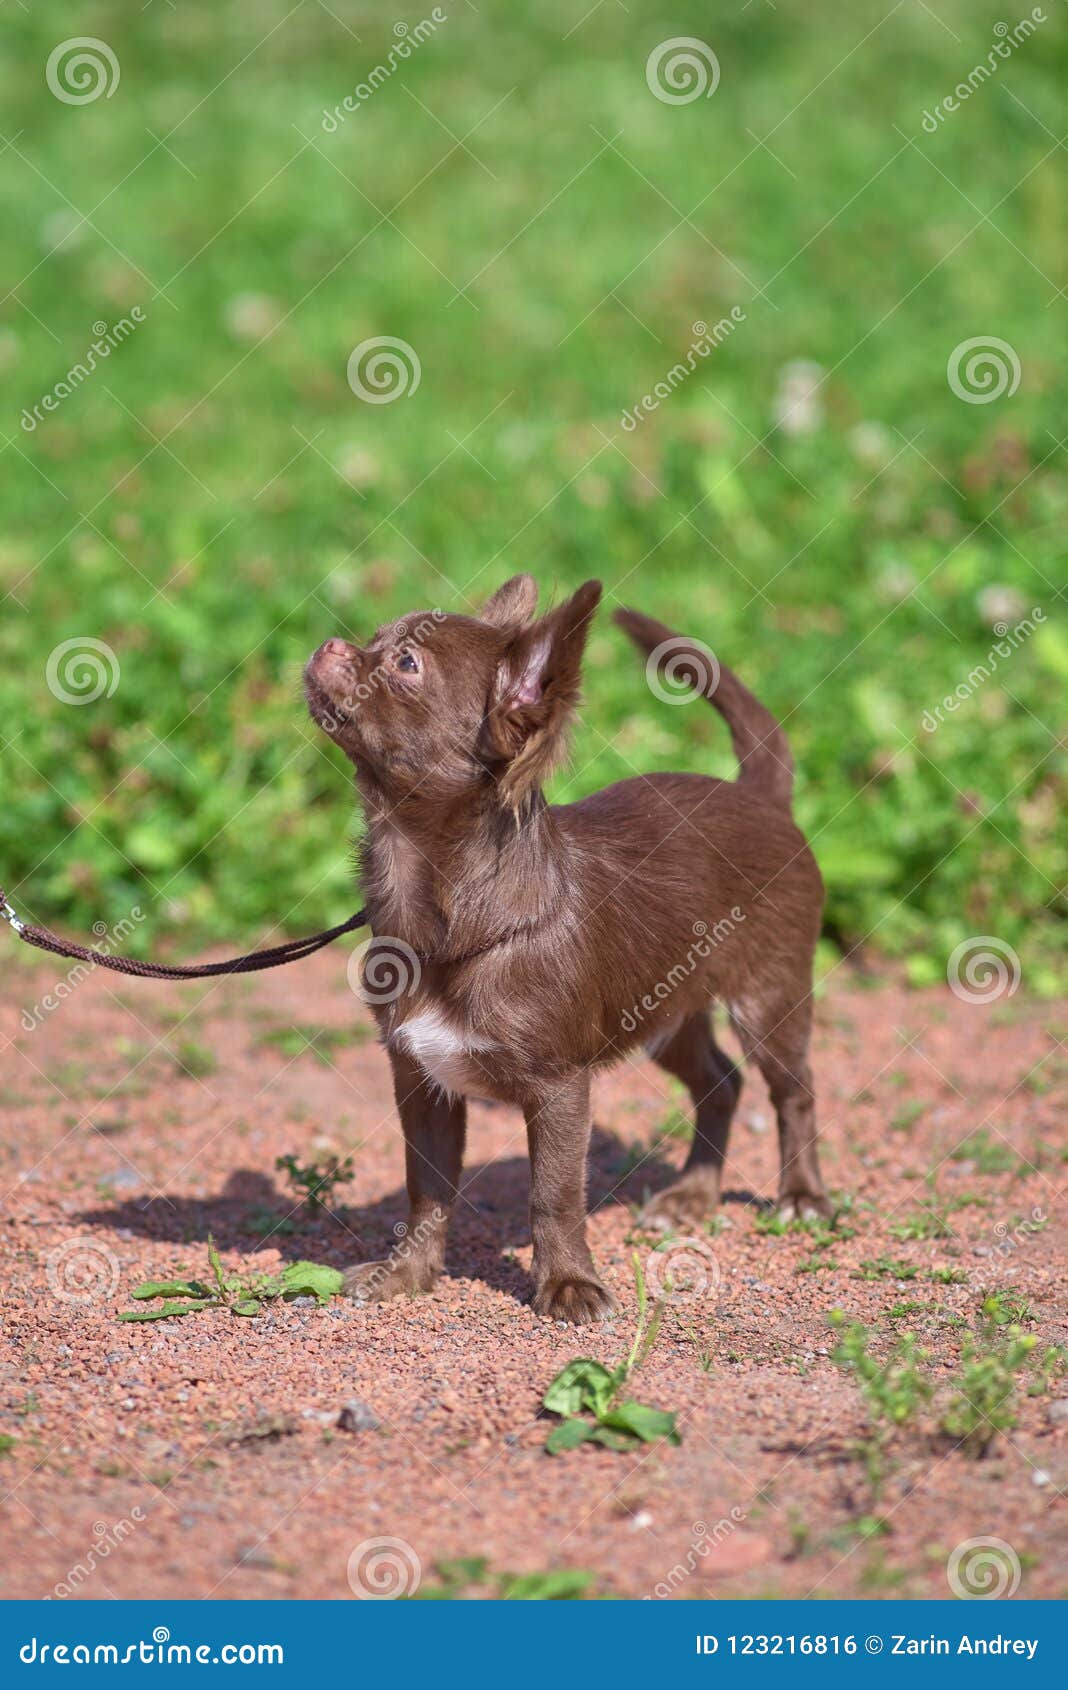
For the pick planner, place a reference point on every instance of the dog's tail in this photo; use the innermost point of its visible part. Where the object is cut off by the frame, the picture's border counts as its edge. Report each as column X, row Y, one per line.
column 760, row 745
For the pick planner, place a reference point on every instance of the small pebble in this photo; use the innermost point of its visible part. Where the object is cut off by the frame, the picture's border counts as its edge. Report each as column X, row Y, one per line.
column 123, row 1179
column 357, row 1416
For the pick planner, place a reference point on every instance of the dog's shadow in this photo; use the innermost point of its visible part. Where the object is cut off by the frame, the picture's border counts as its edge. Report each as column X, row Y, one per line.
column 490, row 1217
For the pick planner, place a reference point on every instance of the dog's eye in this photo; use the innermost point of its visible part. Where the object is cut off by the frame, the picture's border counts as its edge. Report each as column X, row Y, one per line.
column 407, row 662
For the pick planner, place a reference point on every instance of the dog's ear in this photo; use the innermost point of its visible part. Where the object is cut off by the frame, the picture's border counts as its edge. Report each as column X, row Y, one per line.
column 535, row 691
column 514, row 604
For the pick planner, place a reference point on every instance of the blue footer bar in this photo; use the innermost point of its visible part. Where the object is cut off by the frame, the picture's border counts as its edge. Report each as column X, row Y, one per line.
column 543, row 1646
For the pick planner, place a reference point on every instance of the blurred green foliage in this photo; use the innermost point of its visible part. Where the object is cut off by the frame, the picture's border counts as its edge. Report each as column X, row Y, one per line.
column 514, row 202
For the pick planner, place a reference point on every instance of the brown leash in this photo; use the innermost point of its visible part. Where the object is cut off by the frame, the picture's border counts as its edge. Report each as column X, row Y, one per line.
column 292, row 951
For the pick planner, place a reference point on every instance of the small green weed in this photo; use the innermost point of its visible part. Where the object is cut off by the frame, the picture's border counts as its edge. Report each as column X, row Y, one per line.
column 885, row 1267
column 863, row 1529
column 705, row 1358
column 588, row 1388
column 822, row 1232
column 319, row 1042
column 472, row 1573
column 904, row 1119
column 926, row 1223
column 239, row 1294
column 193, row 1059
column 894, row 1391
column 989, row 1153
column 983, row 1403
column 1048, row 1370
column 267, row 1223
column 314, row 1182
column 674, row 1126
column 1004, row 1308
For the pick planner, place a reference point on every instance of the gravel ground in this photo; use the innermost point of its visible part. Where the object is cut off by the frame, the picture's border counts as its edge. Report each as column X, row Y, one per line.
column 214, row 1456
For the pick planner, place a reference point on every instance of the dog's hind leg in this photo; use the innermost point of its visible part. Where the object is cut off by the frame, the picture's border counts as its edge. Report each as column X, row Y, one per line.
column 776, row 1036
column 693, row 1056
column 434, row 1127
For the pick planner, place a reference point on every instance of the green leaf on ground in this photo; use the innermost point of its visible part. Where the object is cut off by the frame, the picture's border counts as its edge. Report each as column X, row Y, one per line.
column 216, row 1267
column 312, row 1279
column 242, row 1294
column 648, row 1424
column 166, row 1310
column 567, row 1584
column 583, row 1384
column 171, row 1288
column 587, row 1387
column 568, row 1435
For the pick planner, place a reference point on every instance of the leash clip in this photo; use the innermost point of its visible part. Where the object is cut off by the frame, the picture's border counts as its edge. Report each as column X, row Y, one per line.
column 9, row 915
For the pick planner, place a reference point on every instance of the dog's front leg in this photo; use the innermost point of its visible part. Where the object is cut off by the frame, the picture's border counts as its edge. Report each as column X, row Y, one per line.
column 434, row 1127
column 566, row 1285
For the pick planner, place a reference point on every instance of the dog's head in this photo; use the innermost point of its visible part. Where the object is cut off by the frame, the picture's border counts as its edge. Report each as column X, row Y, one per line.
column 437, row 705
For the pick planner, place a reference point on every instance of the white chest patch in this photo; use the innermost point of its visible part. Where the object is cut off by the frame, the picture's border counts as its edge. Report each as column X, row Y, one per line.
column 442, row 1049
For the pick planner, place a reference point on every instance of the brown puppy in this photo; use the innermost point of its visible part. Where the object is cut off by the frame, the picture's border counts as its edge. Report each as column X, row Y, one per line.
column 530, row 944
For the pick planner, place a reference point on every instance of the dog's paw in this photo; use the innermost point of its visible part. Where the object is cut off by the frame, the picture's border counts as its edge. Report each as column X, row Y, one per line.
column 804, row 1206
column 580, row 1301
column 378, row 1282
column 683, row 1207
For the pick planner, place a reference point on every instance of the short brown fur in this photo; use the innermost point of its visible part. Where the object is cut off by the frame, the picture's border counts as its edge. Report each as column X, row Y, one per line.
column 542, row 942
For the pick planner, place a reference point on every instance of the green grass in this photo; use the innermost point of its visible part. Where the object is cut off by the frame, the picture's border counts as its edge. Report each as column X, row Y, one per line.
column 886, row 1267
column 320, row 1042
column 988, row 1151
column 193, row 1059
column 473, row 1574
column 214, row 500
